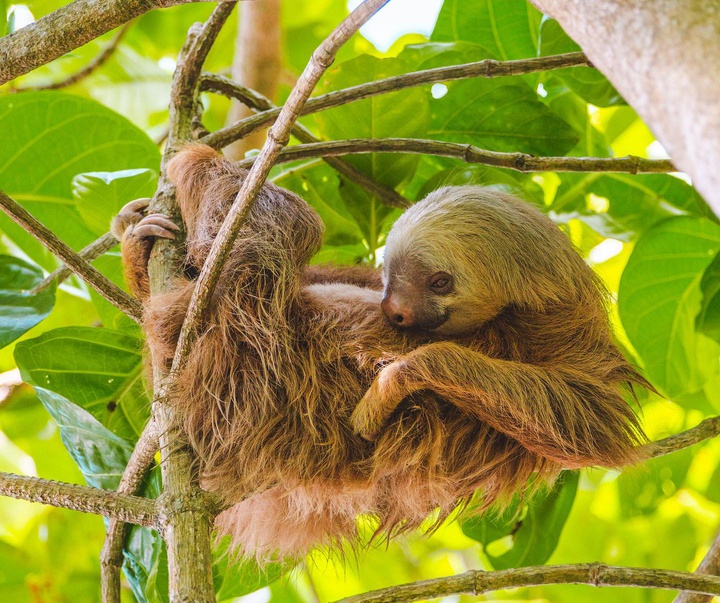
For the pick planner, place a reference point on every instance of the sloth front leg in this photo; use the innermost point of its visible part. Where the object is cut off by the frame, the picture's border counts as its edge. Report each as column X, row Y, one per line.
column 136, row 232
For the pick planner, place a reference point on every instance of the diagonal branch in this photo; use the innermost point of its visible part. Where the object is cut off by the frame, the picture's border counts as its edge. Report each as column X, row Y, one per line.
column 710, row 565
column 104, row 286
column 131, row 509
column 521, row 162
column 487, row 68
column 255, row 100
column 68, row 28
column 478, row 582
column 277, row 138
column 709, row 428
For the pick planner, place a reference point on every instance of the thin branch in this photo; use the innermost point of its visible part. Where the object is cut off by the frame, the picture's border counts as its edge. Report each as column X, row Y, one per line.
column 277, row 138
column 710, row 565
column 104, row 286
column 111, row 556
column 131, row 509
column 487, row 68
column 521, row 162
column 255, row 100
column 88, row 253
column 478, row 582
column 67, row 28
column 98, row 61
column 709, row 428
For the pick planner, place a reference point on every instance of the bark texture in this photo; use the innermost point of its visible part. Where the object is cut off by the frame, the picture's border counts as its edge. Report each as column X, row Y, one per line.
column 660, row 56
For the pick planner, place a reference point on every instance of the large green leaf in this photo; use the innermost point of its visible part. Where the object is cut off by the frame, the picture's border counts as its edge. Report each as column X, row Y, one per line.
column 508, row 28
column 19, row 310
column 708, row 321
column 98, row 369
column 48, row 138
column 399, row 114
column 621, row 206
column 101, row 195
column 534, row 536
column 586, row 82
column 660, row 297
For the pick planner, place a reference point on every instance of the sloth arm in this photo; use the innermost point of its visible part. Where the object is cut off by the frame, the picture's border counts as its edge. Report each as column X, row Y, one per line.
column 559, row 413
column 360, row 276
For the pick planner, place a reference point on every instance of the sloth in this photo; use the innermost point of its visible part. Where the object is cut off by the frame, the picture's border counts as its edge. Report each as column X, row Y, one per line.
column 480, row 360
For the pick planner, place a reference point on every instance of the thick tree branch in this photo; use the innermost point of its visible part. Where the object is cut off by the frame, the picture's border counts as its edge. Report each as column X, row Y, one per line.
column 521, row 162
column 131, row 509
column 97, row 62
column 487, row 68
column 111, row 556
column 277, row 138
column 67, row 28
column 255, row 100
column 187, row 516
column 109, row 290
column 669, row 42
column 88, row 253
column 478, row 582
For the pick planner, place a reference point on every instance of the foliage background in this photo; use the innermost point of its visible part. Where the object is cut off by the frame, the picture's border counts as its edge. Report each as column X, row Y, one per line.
column 73, row 158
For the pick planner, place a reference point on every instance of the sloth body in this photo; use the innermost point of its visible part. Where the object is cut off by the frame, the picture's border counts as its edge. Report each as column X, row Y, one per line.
column 505, row 370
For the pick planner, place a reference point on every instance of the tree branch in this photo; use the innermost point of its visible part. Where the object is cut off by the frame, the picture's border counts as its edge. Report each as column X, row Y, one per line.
column 487, row 68
column 277, row 138
column 88, row 253
column 709, row 428
column 111, row 556
column 97, row 62
column 187, row 516
column 521, row 162
column 131, row 509
column 109, row 290
column 68, row 28
column 478, row 582
column 255, row 100
column 710, row 565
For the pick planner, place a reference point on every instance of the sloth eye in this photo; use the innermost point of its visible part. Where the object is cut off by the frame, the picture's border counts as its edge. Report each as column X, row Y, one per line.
column 441, row 282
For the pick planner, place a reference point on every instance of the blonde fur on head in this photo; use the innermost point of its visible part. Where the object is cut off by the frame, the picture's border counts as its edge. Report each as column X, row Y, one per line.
column 295, row 361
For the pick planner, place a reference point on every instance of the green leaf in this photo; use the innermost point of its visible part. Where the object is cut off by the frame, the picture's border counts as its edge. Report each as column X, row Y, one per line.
column 235, row 577
column 101, row 195
column 621, row 206
column 100, row 454
column 98, row 369
column 536, row 535
column 48, row 138
column 660, row 297
column 586, row 82
column 708, row 320
column 508, row 28
column 399, row 114
column 20, row 311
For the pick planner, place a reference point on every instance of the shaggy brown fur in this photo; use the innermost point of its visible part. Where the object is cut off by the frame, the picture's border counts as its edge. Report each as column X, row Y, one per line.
column 510, row 373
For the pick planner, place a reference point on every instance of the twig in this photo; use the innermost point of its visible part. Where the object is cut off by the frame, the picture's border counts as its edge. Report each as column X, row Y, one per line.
column 187, row 517
column 710, row 565
column 67, row 28
column 477, row 582
column 130, row 509
column 709, row 428
column 521, row 162
column 97, row 62
column 111, row 556
column 255, row 100
column 89, row 253
column 109, row 290
column 487, row 68
column 277, row 138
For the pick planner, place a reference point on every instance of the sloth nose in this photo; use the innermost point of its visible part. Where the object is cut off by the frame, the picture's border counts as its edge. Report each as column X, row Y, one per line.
column 397, row 313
